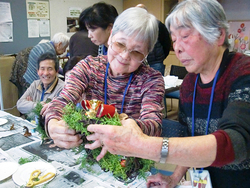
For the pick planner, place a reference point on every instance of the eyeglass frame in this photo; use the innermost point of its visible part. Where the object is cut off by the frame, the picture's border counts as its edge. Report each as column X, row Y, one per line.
column 129, row 51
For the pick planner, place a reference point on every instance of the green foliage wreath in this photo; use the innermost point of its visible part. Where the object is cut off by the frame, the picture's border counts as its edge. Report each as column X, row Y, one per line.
column 123, row 168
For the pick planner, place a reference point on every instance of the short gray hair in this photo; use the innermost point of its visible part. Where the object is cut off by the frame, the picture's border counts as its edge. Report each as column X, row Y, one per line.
column 206, row 16
column 137, row 21
column 60, row 37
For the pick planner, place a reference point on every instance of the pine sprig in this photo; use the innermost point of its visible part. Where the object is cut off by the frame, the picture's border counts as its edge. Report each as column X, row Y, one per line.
column 40, row 126
column 77, row 120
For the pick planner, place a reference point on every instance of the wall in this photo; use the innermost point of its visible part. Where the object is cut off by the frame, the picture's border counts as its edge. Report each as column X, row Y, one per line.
column 154, row 6
column 20, row 29
column 59, row 11
column 231, row 8
column 236, row 10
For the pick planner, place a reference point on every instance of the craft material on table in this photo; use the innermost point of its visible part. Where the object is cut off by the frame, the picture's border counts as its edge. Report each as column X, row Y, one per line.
column 22, row 175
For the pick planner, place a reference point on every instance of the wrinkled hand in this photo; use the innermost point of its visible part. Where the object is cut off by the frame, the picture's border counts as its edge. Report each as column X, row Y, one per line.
column 115, row 139
column 160, row 181
column 62, row 135
column 29, row 98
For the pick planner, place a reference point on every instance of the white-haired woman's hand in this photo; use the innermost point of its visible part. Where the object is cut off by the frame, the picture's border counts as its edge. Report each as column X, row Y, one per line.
column 122, row 140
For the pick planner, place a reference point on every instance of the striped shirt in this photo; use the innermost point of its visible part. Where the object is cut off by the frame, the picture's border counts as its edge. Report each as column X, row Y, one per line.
column 143, row 100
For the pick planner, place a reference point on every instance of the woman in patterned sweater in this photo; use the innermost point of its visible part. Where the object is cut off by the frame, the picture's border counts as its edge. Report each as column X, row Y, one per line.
column 133, row 37
column 214, row 105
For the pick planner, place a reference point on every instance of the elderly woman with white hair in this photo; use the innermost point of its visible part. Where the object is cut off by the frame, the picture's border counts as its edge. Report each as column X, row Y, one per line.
column 56, row 46
column 121, row 78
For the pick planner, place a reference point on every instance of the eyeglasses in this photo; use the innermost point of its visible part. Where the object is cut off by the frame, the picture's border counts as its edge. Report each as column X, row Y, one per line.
column 135, row 55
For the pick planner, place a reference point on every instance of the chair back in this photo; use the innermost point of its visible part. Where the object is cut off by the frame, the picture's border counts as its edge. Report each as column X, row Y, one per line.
column 171, row 128
column 178, row 71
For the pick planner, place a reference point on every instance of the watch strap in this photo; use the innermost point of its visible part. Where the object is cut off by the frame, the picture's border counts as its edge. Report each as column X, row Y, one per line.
column 164, row 150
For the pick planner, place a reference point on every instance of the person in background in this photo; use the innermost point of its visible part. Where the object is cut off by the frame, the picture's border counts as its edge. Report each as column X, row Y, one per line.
column 99, row 21
column 214, row 105
column 79, row 43
column 161, row 48
column 121, row 79
column 66, row 72
column 56, row 46
column 70, row 65
column 44, row 89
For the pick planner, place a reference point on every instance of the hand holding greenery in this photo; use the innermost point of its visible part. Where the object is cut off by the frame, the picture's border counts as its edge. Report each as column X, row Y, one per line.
column 123, row 168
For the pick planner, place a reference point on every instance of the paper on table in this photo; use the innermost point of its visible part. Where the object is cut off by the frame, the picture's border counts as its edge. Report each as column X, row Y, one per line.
column 171, row 81
column 3, row 121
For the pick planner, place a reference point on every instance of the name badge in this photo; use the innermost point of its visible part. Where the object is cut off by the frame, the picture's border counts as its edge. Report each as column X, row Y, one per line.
column 200, row 178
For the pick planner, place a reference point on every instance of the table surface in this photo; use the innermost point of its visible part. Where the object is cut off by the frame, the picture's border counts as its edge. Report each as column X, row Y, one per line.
column 172, row 87
column 13, row 146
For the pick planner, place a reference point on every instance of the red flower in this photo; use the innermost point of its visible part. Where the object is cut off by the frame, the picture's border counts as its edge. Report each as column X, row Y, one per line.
column 123, row 163
column 242, row 25
column 243, row 46
column 239, row 30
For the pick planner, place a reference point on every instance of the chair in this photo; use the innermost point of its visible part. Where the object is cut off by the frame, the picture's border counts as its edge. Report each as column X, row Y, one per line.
column 171, row 128
column 181, row 72
column 18, row 69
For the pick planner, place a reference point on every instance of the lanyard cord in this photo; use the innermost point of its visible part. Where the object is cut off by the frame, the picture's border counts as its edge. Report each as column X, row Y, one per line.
column 210, row 104
column 106, row 86
column 43, row 91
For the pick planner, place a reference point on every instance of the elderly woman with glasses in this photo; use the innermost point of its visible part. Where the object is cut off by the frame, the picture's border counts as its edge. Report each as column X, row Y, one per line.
column 121, row 78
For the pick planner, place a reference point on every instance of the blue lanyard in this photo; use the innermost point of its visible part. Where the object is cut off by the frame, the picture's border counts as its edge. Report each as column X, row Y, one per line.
column 106, row 85
column 210, row 104
column 43, row 91
column 105, row 50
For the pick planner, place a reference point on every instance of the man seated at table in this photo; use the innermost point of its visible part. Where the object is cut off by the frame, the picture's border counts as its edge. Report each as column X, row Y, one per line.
column 44, row 89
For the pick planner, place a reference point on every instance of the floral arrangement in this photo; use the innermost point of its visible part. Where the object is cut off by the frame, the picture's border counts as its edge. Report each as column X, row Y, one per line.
column 125, row 169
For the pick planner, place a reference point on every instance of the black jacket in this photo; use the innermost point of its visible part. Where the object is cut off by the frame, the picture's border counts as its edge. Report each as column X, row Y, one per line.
column 162, row 46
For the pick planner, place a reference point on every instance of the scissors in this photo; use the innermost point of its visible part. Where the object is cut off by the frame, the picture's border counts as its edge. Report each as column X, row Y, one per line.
column 35, row 179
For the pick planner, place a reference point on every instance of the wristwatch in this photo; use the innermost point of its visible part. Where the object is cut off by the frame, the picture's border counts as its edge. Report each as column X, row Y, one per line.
column 164, row 150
